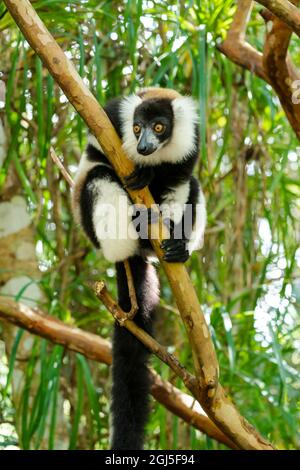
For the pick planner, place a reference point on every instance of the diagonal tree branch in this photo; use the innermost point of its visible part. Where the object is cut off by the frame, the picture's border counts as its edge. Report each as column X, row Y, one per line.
column 160, row 351
column 274, row 65
column 236, row 48
column 61, row 167
column 209, row 393
column 286, row 11
column 98, row 349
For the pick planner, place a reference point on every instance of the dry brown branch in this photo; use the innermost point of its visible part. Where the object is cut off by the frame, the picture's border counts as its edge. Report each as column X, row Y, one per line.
column 61, row 167
column 183, row 405
column 284, row 10
column 98, row 349
column 209, row 393
column 63, row 266
column 236, row 48
column 274, row 65
column 131, row 289
column 156, row 348
column 46, row 326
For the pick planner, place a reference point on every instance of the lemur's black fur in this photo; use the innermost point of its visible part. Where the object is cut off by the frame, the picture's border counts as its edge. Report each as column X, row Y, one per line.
column 130, row 376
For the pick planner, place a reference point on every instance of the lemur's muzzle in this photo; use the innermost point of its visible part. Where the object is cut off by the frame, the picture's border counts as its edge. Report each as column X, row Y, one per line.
column 148, row 142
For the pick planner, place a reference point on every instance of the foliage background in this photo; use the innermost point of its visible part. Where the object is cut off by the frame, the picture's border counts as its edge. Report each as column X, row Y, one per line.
column 247, row 275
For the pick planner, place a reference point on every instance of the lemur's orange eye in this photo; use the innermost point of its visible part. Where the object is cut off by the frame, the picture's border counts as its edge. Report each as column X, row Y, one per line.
column 159, row 128
column 136, row 129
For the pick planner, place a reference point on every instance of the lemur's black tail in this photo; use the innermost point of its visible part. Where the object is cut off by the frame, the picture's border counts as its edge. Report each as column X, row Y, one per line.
column 130, row 378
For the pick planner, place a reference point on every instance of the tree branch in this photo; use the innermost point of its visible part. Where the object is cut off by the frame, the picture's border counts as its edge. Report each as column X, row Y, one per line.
column 210, row 393
column 150, row 343
column 61, row 167
column 132, row 295
column 236, row 48
column 284, row 10
column 98, row 349
column 274, row 65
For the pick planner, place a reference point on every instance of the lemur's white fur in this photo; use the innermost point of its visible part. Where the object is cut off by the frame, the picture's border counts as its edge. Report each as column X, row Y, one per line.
column 180, row 144
column 112, row 221
column 174, row 201
column 197, row 236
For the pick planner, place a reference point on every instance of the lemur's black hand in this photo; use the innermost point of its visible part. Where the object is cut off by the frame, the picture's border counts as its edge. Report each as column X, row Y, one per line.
column 174, row 250
column 139, row 178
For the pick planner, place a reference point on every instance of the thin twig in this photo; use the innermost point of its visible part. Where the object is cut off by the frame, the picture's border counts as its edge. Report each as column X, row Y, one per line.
column 53, row 183
column 60, row 165
column 134, row 305
column 160, row 351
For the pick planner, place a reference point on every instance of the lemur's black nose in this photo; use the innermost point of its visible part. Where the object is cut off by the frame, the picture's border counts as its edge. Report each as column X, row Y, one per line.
column 145, row 149
column 146, row 144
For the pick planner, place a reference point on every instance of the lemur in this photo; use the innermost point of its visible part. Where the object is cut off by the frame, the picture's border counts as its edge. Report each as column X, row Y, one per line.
column 159, row 132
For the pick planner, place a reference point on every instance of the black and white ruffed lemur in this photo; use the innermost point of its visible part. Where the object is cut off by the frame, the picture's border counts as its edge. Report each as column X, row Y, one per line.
column 159, row 132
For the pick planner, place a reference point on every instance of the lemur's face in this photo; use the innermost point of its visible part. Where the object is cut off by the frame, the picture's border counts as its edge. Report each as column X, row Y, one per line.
column 152, row 125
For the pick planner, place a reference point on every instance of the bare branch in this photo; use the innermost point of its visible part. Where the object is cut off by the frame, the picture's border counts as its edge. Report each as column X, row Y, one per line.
column 157, row 349
column 236, row 48
column 132, row 295
column 61, row 167
column 46, row 326
column 284, row 10
column 279, row 67
column 274, row 65
column 187, row 408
